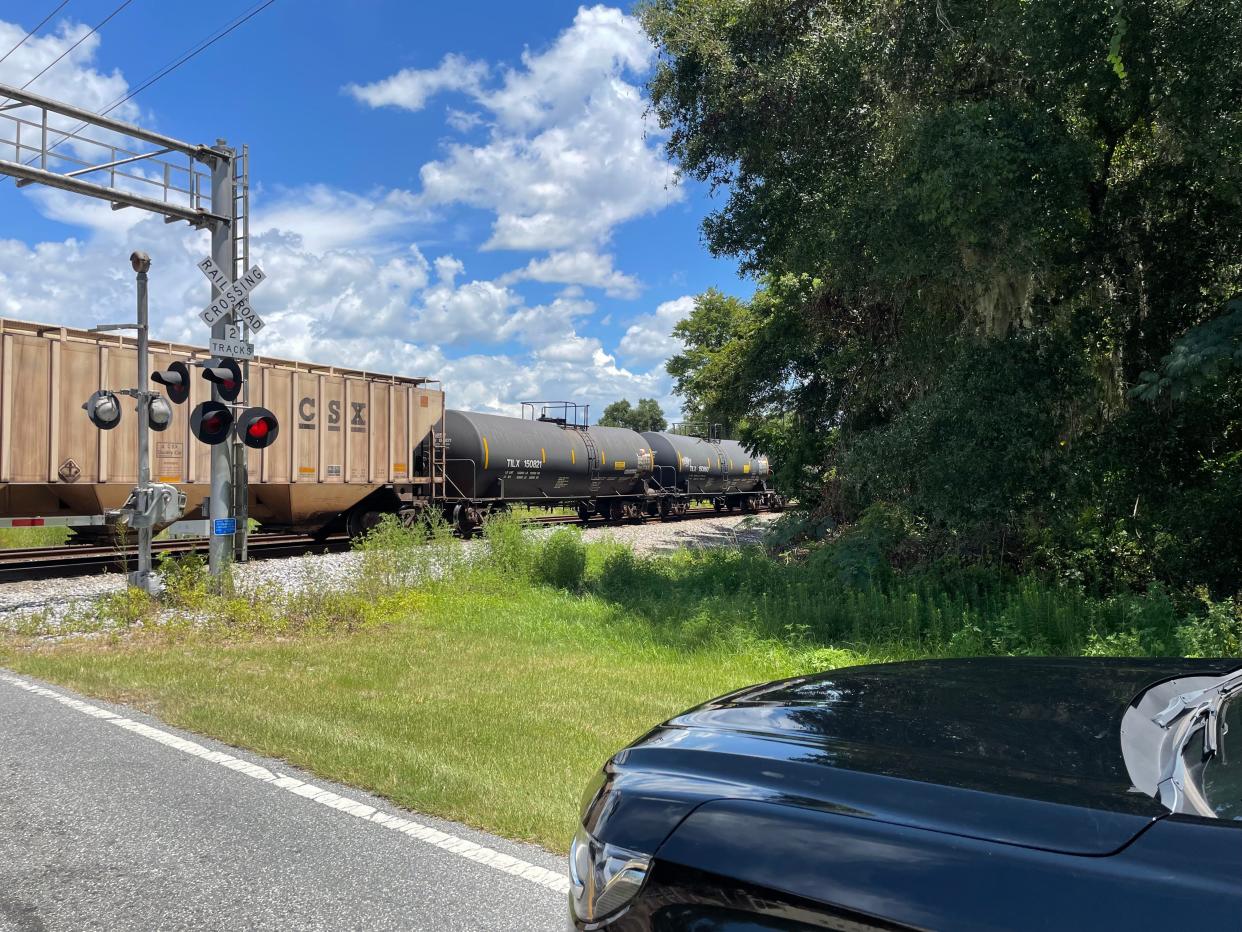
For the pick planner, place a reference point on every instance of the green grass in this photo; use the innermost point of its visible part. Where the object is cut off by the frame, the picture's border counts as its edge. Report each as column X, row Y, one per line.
column 490, row 704
column 12, row 538
column 491, row 694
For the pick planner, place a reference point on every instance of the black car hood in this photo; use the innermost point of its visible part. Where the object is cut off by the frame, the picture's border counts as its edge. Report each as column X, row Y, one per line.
column 1022, row 750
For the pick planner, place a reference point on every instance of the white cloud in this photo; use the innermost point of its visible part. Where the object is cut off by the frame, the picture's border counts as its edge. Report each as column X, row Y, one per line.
column 564, row 136
column 73, row 79
column 578, row 267
column 571, row 153
column 650, row 336
column 410, row 88
column 463, row 120
column 328, row 218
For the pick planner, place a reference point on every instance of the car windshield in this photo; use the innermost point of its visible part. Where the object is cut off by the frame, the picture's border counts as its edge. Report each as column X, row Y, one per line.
column 1222, row 772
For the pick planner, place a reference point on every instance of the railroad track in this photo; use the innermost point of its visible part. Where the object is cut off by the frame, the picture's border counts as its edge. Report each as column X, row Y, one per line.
column 84, row 559
column 596, row 521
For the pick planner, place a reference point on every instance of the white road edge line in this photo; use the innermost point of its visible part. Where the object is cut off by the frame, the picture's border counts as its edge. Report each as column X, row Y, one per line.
column 489, row 857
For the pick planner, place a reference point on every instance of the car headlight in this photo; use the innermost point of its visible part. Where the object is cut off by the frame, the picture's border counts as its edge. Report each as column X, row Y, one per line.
column 603, row 878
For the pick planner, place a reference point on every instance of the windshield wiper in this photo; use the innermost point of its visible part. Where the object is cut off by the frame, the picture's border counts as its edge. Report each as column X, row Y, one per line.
column 1189, row 713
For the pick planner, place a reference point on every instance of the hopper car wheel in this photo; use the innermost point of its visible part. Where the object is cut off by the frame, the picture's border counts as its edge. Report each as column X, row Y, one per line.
column 585, row 511
column 616, row 512
column 361, row 520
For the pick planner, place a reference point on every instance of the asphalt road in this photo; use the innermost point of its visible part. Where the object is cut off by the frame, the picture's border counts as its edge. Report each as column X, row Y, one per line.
column 110, row 819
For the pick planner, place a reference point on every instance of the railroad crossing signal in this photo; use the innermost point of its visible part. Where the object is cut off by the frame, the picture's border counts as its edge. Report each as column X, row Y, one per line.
column 211, row 422
column 227, row 376
column 257, row 428
column 176, row 378
column 159, row 413
column 103, row 409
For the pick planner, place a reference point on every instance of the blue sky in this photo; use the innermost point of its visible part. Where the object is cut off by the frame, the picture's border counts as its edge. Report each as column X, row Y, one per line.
column 469, row 191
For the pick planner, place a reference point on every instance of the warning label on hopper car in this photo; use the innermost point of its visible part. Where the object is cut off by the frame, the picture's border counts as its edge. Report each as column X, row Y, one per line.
column 168, row 458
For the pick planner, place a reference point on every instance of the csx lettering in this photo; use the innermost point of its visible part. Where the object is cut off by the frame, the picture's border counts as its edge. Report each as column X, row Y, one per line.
column 306, row 408
column 359, row 418
column 334, row 412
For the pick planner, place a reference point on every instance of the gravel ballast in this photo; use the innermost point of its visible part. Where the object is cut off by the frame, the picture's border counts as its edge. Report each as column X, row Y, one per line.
column 56, row 598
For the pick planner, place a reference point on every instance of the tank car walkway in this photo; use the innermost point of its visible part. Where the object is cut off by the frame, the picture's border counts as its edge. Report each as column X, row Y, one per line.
column 110, row 819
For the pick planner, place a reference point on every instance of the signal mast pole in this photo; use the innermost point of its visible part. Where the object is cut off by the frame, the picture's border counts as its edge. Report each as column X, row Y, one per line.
column 220, row 547
column 141, row 263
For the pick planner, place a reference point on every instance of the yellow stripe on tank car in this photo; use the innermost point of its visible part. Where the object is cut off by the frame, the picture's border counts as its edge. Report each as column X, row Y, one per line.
column 486, row 452
column 573, row 456
column 543, row 455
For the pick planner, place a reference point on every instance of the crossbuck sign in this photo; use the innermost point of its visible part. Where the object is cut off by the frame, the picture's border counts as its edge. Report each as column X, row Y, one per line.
column 232, row 300
column 232, row 296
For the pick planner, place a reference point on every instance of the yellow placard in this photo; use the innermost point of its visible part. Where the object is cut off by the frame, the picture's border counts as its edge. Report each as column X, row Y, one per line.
column 619, row 464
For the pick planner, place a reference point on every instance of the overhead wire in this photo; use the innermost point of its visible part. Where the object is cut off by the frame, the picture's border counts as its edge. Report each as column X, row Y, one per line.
column 163, row 71
column 188, row 55
column 43, row 22
column 103, row 22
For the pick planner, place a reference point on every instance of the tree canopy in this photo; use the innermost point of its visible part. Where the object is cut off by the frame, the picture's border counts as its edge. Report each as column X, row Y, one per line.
column 996, row 241
column 646, row 415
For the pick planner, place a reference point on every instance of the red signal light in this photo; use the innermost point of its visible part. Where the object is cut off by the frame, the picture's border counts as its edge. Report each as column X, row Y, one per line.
column 257, row 428
column 210, row 422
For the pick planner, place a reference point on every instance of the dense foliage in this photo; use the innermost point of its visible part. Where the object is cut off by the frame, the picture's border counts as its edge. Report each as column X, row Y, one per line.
column 997, row 242
column 646, row 415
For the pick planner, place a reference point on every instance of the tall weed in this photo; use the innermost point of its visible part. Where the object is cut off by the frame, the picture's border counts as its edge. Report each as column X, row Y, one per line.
column 561, row 559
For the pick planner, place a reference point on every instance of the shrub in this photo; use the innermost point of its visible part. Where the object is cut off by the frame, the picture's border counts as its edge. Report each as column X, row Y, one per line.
column 1215, row 633
column 561, row 561
column 509, row 548
column 185, row 580
column 387, row 552
column 861, row 555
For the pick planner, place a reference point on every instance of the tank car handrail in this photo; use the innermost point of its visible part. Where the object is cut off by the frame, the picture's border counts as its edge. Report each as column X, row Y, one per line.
column 571, row 414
